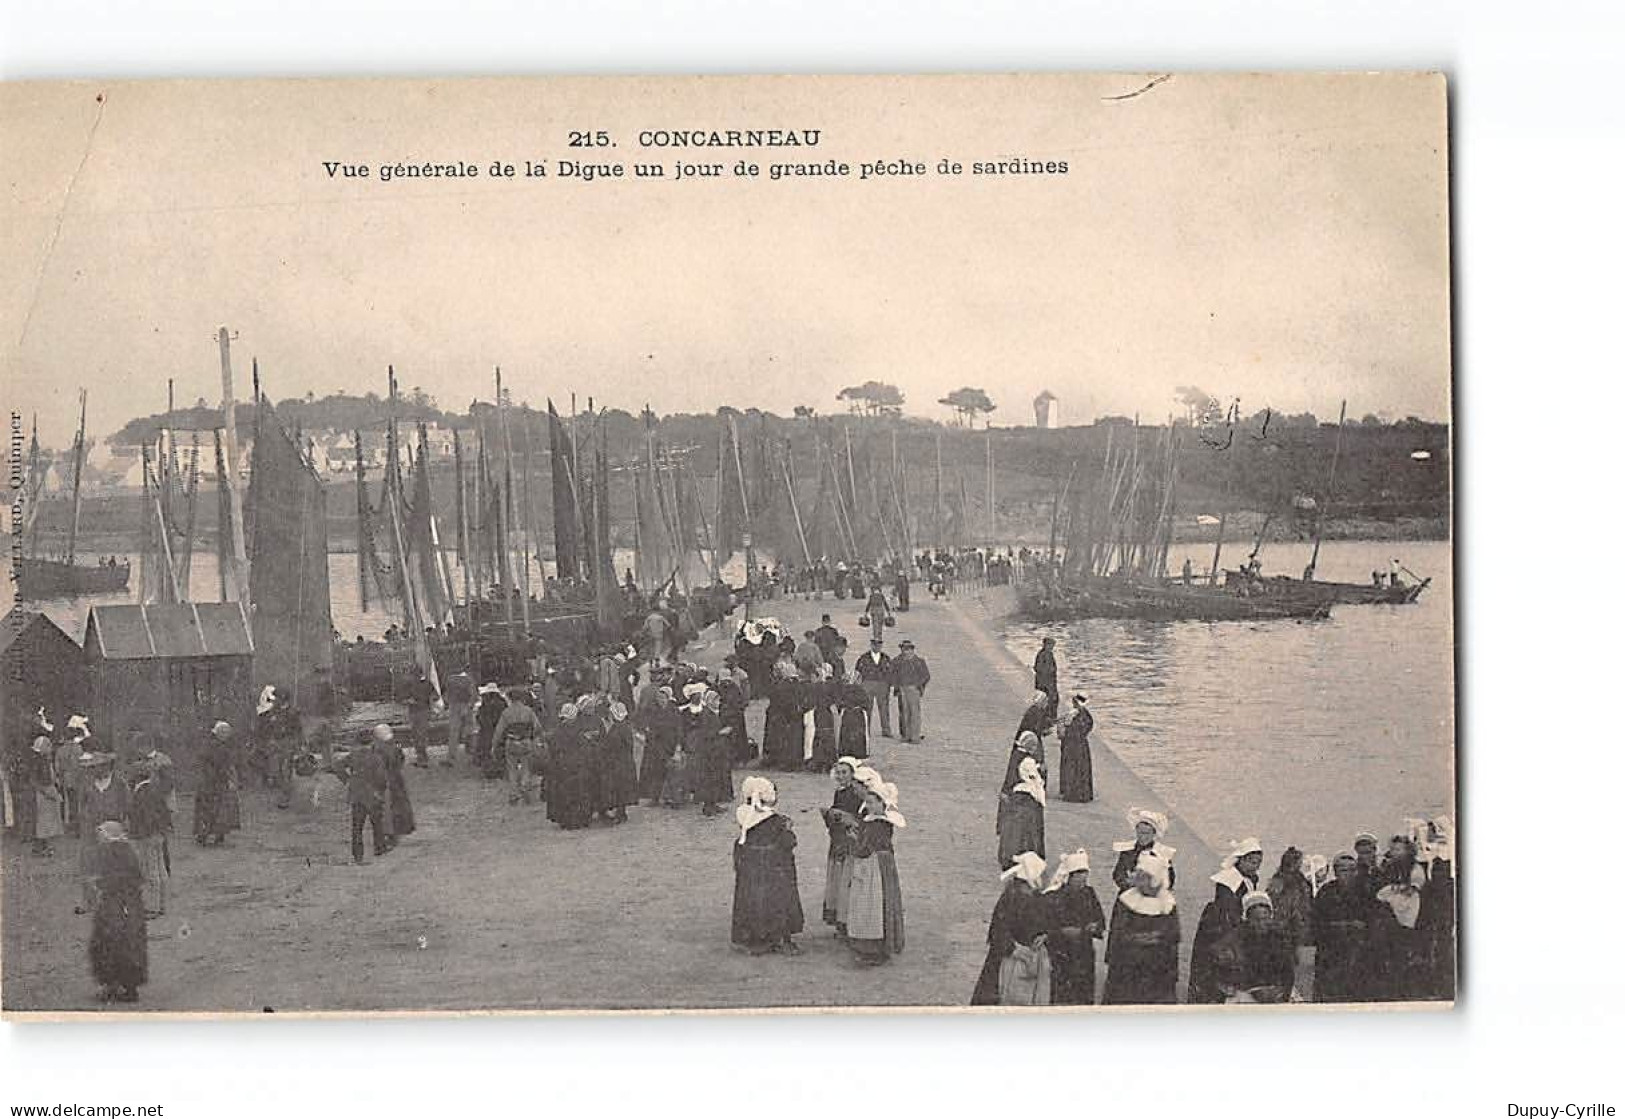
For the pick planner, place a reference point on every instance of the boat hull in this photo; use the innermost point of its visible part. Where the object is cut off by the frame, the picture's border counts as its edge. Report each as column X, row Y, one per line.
column 1158, row 602
column 1319, row 590
column 42, row 578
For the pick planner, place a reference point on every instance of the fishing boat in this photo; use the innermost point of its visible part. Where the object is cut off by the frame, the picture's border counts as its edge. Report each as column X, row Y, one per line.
column 1127, row 597
column 44, row 577
column 48, row 578
column 1116, row 557
column 1284, row 587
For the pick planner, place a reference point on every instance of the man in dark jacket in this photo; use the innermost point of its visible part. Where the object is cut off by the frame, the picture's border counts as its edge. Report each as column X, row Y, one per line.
column 825, row 637
column 459, row 711
column 419, row 698
column 367, row 777
column 874, row 669
column 1046, row 676
column 910, row 675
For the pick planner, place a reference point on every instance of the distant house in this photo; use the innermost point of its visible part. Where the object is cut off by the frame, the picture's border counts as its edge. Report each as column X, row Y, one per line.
column 43, row 667
column 1047, row 410
column 171, row 671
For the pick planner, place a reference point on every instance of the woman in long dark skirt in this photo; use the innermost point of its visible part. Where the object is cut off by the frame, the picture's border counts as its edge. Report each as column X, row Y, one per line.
column 1077, row 763
column 617, row 776
column 781, row 740
column 118, row 935
column 767, row 899
column 1021, row 815
column 1268, row 957
column 486, row 716
column 216, row 809
column 1017, row 969
column 732, row 710
column 1037, row 721
column 1149, row 828
column 824, row 691
column 1077, row 922
column 710, row 777
column 853, row 736
column 39, row 792
column 841, row 818
column 1142, row 946
column 399, row 819
column 569, row 773
column 874, row 912
column 1437, row 915
column 659, row 743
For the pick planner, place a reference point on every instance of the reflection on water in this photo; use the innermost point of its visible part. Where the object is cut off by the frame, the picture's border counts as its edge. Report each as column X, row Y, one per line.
column 1298, row 732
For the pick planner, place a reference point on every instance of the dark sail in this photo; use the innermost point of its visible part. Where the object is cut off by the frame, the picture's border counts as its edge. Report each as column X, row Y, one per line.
column 566, row 548
column 292, row 617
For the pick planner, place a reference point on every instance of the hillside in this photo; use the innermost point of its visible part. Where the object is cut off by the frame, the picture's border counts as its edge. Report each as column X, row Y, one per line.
column 1393, row 480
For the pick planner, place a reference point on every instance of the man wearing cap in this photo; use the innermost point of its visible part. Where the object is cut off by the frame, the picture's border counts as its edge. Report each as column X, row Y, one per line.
column 1341, row 918
column 877, row 610
column 874, row 671
column 911, row 675
column 1365, row 863
column 459, row 702
column 419, row 699
column 366, row 777
column 1045, row 677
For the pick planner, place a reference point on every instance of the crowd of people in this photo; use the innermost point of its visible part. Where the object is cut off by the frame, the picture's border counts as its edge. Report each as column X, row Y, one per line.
column 592, row 736
column 1361, row 929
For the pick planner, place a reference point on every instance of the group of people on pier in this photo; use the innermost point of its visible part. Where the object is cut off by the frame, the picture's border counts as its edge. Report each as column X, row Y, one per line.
column 632, row 726
column 1363, row 929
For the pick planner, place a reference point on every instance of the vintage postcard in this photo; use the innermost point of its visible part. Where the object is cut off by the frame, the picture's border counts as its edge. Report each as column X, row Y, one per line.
column 685, row 543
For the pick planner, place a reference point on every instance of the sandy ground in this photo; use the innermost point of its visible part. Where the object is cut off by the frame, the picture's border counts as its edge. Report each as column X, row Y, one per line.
column 488, row 906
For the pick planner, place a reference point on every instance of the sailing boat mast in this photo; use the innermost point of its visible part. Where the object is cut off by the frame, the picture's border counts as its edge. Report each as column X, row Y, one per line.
column 504, row 510
column 363, row 529
column 525, row 527
column 1326, row 499
column 941, row 512
column 238, row 579
column 744, row 504
column 992, row 524
column 78, row 475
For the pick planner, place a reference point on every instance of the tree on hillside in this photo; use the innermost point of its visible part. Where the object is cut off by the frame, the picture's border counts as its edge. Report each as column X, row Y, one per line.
column 873, row 398
column 968, row 403
column 803, row 412
column 1201, row 407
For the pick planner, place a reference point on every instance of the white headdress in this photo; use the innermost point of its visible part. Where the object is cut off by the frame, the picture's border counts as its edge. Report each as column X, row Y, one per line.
column 887, row 792
column 867, row 777
column 757, row 797
column 1026, row 866
column 1152, row 905
column 1069, row 865
column 1254, row 899
column 1032, row 780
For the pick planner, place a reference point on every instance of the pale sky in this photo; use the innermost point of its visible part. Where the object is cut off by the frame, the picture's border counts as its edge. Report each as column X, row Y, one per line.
column 1280, row 239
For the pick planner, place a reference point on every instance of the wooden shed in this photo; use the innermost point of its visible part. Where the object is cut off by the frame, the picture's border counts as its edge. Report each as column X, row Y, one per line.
column 40, row 665
column 169, row 670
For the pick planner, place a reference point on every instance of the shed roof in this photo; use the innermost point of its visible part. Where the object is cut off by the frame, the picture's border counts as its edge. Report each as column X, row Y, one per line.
column 187, row 629
column 19, row 621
